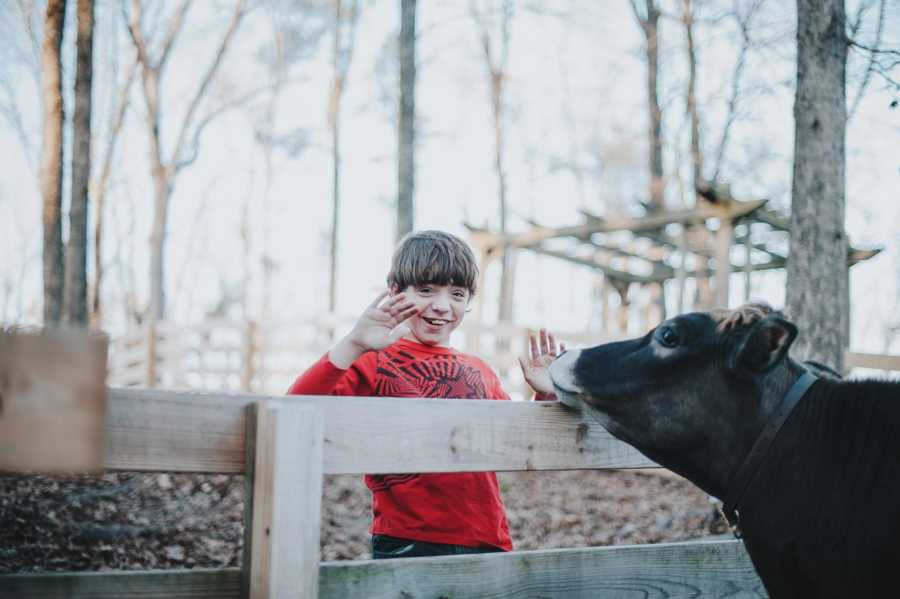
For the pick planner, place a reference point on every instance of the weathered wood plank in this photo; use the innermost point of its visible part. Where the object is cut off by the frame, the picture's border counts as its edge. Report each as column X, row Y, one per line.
column 204, row 432
column 287, row 503
column 707, row 570
column 878, row 361
column 696, row 570
column 52, row 400
column 152, row 584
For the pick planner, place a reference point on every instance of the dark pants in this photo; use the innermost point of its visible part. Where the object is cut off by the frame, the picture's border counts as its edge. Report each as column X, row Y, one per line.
column 385, row 547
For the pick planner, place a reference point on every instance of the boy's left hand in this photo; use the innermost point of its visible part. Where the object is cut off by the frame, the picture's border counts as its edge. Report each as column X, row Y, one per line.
column 536, row 366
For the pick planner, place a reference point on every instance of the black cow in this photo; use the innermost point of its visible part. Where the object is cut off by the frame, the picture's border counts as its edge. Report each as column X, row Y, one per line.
column 704, row 394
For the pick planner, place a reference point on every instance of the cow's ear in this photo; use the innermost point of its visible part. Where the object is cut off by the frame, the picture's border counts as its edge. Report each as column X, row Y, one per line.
column 763, row 346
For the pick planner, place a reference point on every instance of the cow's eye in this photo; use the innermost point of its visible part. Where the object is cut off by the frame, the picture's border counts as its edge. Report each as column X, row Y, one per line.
column 668, row 337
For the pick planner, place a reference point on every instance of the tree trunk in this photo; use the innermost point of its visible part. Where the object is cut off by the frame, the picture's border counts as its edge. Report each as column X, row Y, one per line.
column 650, row 27
column 334, row 120
column 817, row 277
column 343, row 53
column 696, row 155
column 51, row 161
column 406, row 167
column 99, row 195
column 75, row 305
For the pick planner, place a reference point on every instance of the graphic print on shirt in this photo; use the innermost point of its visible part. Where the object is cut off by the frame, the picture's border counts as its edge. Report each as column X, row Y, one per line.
column 400, row 374
column 442, row 375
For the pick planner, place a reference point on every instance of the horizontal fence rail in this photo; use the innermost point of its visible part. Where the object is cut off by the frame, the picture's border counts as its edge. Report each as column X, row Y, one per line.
column 205, row 432
column 672, row 570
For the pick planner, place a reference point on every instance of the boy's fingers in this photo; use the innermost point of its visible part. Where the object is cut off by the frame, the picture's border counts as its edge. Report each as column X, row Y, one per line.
column 553, row 347
column 562, row 347
column 533, row 346
column 545, row 347
column 406, row 314
column 398, row 308
column 524, row 366
column 395, row 299
column 378, row 299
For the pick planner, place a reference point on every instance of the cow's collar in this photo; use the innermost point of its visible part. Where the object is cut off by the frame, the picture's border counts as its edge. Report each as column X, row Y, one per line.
column 752, row 462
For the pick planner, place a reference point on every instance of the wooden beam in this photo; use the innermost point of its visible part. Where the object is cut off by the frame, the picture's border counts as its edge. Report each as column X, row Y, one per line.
column 773, row 219
column 716, row 569
column 281, row 555
column 649, row 222
column 594, row 264
column 697, row 569
column 52, row 400
column 143, row 584
column 875, row 361
column 204, row 432
column 724, row 238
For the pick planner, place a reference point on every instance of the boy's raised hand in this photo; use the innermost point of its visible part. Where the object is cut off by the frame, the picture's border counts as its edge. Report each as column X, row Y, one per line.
column 381, row 325
column 536, row 365
column 382, row 322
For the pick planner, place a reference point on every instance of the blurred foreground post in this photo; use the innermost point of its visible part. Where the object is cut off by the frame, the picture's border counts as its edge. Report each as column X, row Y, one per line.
column 52, row 400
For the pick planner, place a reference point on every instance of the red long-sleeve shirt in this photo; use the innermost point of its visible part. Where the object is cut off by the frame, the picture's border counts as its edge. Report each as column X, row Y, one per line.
column 454, row 508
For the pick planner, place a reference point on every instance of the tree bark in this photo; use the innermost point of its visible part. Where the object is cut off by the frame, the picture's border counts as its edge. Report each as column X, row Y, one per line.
column 406, row 147
column 51, row 161
column 75, row 304
column 817, row 276
column 99, row 190
column 342, row 56
column 164, row 171
column 649, row 23
column 696, row 155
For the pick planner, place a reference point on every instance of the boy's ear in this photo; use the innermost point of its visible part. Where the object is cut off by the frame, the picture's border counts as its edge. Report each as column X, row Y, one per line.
column 762, row 347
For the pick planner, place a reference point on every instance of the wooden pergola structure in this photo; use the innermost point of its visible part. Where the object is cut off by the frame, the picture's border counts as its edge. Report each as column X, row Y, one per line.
column 707, row 243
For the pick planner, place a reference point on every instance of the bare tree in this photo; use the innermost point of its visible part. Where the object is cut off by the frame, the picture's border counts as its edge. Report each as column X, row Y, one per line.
column 817, row 277
column 879, row 60
column 406, row 143
column 52, row 161
column 494, row 32
column 745, row 25
column 99, row 189
column 165, row 169
column 345, row 17
column 687, row 17
column 75, row 300
column 647, row 15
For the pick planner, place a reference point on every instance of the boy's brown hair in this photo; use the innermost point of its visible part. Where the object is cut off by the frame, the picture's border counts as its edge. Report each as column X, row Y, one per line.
column 433, row 257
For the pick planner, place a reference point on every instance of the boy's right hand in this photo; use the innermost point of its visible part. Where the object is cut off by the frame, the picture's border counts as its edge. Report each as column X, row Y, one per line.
column 379, row 326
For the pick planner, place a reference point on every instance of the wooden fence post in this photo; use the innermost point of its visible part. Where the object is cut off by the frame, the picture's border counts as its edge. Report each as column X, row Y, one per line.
column 283, row 501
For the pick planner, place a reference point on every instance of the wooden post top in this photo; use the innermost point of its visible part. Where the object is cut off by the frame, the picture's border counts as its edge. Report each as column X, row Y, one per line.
column 52, row 400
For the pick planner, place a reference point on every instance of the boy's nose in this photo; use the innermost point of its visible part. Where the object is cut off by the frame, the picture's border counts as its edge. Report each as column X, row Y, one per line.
column 440, row 304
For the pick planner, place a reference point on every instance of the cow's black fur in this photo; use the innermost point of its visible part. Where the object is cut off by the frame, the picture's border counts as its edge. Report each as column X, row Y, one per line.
column 822, row 516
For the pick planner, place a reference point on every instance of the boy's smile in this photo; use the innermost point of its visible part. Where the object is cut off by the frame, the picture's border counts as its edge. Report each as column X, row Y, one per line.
column 441, row 310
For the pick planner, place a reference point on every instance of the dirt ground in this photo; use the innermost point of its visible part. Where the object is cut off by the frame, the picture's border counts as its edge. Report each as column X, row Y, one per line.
column 134, row 521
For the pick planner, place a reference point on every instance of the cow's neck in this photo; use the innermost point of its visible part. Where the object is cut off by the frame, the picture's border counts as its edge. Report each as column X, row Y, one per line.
column 714, row 466
column 776, row 388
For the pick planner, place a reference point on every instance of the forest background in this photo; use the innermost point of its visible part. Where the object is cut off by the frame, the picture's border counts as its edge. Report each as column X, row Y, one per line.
column 256, row 102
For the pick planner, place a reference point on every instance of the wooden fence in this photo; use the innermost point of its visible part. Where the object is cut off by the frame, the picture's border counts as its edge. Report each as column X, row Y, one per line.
column 242, row 356
column 286, row 445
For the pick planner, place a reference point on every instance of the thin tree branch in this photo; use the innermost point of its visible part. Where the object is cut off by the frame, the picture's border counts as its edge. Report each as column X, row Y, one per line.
column 172, row 32
column 194, row 147
column 870, row 66
column 207, row 79
column 136, row 34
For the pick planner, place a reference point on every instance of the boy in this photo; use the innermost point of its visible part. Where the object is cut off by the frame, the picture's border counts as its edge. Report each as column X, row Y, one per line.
column 399, row 348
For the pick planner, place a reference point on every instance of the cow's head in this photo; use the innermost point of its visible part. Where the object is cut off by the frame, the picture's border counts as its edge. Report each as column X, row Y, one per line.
column 691, row 394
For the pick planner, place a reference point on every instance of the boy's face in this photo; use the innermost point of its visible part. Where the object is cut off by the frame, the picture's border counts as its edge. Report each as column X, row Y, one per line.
column 441, row 310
